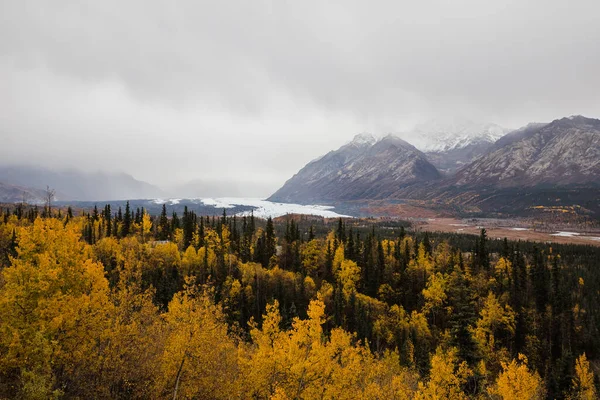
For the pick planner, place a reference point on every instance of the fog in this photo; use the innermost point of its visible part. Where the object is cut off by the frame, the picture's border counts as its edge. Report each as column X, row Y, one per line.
column 245, row 93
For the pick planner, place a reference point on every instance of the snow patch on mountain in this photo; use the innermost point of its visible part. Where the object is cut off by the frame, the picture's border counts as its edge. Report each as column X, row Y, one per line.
column 364, row 139
column 436, row 136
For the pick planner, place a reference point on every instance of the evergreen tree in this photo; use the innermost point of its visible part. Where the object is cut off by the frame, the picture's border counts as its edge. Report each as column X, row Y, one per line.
column 127, row 221
column 463, row 317
column 164, row 229
column 539, row 279
column 188, row 227
column 107, row 217
column 269, row 241
column 201, row 233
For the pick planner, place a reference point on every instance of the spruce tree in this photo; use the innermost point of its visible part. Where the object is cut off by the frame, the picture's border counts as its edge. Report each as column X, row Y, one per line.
column 163, row 224
column 269, row 241
column 107, row 217
column 462, row 300
column 127, row 221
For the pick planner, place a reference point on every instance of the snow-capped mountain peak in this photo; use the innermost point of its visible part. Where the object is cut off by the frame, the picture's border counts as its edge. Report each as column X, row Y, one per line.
column 435, row 136
column 364, row 138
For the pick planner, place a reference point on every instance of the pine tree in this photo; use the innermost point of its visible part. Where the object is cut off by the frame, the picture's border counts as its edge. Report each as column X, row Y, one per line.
column 188, row 227
column 163, row 224
column 127, row 221
column 175, row 224
column 539, row 279
column 463, row 316
column 269, row 241
column 483, row 256
column 427, row 243
column 201, row 233
column 107, row 217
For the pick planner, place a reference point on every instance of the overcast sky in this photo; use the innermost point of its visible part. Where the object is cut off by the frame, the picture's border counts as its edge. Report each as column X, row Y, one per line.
column 171, row 91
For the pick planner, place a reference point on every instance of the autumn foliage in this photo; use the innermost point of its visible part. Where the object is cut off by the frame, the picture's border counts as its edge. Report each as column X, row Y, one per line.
column 221, row 312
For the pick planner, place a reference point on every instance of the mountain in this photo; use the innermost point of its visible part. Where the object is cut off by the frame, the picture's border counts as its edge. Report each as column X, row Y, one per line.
column 565, row 152
column 453, row 144
column 16, row 194
column 76, row 185
column 364, row 168
column 436, row 136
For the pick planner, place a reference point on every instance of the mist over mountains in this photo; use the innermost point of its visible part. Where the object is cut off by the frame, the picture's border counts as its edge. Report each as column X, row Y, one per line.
column 72, row 184
column 550, row 164
column 460, row 164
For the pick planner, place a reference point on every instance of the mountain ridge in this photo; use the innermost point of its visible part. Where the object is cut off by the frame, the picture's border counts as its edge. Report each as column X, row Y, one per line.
column 359, row 169
column 71, row 184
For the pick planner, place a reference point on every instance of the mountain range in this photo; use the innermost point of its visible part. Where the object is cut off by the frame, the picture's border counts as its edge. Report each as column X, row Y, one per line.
column 462, row 165
column 556, row 163
column 28, row 182
column 562, row 153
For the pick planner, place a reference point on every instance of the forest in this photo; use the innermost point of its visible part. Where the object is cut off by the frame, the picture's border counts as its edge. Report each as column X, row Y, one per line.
column 119, row 304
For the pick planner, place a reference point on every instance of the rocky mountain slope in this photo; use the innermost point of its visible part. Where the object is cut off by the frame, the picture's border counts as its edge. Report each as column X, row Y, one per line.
column 565, row 152
column 365, row 168
column 542, row 166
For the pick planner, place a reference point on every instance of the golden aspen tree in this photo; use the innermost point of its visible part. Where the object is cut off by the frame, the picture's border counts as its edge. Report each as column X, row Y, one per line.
column 133, row 348
column 199, row 358
column 583, row 382
column 191, row 262
column 302, row 363
column 338, row 258
column 313, row 257
column 446, row 377
column 495, row 321
column 435, row 295
column 348, row 275
column 53, row 310
column 263, row 367
column 146, row 226
column 516, row 382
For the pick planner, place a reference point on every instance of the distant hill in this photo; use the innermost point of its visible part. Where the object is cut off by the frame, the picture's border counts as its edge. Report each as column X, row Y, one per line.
column 74, row 185
column 16, row 194
column 364, row 168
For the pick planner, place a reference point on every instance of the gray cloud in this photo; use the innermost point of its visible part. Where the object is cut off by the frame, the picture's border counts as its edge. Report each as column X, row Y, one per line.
column 250, row 91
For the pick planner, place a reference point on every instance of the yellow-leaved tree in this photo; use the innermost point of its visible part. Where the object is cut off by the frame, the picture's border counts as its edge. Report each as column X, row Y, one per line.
column 583, row 382
column 435, row 295
column 446, row 377
column 54, row 307
column 517, row 382
column 494, row 328
column 302, row 363
column 348, row 275
column 199, row 358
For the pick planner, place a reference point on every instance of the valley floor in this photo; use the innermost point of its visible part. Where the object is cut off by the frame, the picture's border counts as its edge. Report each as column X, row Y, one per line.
column 512, row 229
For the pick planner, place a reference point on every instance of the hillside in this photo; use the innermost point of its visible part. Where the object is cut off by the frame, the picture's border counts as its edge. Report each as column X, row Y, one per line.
column 365, row 168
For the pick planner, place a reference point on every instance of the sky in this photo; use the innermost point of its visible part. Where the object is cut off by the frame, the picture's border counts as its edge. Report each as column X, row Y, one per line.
column 247, row 92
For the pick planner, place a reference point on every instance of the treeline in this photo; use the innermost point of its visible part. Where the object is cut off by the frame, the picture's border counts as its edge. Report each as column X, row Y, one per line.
column 120, row 304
